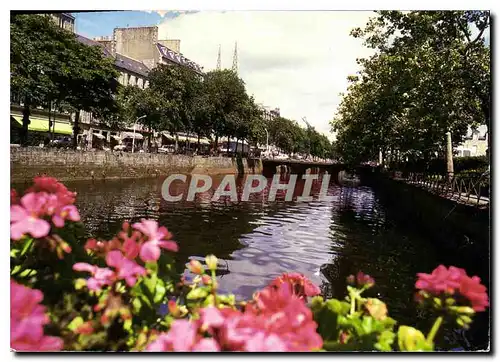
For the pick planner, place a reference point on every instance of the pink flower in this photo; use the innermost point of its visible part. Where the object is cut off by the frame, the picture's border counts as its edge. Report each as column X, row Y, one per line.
column 131, row 248
column 27, row 318
column 475, row 292
column 68, row 212
column 211, row 317
column 182, row 337
column 454, row 281
column 261, row 342
column 126, row 269
column 440, row 280
column 150, row 250
column 100, row 276
column 206, row 345
column 52, row 186
column 299, row 284
column 25, row 218
column 277, row 320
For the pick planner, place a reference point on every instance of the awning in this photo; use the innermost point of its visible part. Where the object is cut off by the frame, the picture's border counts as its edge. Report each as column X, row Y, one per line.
column 138, row 136
column 42, row 125
column 168, row 135
column 115, row 137
column 98, row 135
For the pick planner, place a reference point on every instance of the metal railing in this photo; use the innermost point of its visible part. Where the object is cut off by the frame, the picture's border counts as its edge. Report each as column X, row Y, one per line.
column 472, row 189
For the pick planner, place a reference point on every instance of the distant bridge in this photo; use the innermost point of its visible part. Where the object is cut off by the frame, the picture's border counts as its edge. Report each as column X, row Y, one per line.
column 300, row 166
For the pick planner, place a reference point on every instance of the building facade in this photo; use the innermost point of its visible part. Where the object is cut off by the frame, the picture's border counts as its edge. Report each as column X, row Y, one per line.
column 64, row 20
column 142, row 44
column 475, row 143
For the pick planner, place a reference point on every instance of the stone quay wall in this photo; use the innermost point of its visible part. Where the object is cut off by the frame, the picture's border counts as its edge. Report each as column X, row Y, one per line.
column 70, row 165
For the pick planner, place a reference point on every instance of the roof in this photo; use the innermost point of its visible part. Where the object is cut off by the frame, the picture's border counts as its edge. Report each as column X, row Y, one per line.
column 121, row 61
column 178, row 58
column 91, row 42
column 132, row 65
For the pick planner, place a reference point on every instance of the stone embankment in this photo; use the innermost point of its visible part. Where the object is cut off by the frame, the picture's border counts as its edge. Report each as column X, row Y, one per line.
column 70, row 165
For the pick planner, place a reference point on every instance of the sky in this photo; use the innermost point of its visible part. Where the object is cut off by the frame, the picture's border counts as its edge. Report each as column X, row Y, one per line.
column 297, row 61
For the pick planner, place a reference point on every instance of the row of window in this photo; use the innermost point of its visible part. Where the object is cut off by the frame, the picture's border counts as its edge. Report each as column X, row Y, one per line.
column 129, row 79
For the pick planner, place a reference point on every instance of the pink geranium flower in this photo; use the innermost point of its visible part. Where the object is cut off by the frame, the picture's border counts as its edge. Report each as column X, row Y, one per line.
column 26, row 217
column 52, row 186
column 150, row 250
column 126, row 269
column 68, row 212
column 27, row 318
column 299, row 284
column 454, row 280
column 100, row 276
column 440, row 280
column 183, row 337
column 475, row 292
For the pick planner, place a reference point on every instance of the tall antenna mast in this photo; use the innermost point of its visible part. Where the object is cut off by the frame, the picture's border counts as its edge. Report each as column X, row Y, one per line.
column 235, row 58
column 218, row 60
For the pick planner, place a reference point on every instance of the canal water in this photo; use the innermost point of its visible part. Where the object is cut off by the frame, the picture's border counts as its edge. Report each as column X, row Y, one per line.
column 258, row 240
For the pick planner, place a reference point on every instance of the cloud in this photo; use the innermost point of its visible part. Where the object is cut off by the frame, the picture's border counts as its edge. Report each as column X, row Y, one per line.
column 297, row 61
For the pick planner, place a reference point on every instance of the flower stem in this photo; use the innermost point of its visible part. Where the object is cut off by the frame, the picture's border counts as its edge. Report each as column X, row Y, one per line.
column 434, row 329
column 353, row 303
column 214, row 292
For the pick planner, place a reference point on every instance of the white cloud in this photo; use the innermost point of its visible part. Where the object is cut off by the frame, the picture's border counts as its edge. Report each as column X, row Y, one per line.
column 297, row 61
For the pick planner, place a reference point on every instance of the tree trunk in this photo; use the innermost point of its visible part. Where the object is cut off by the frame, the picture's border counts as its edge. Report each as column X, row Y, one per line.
column 227, row 148
column 198, row 142
column 26, row 122
column 76, row 128
column 216, row 142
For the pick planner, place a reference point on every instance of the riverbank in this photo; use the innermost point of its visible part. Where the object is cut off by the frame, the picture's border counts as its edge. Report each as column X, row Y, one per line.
column 70, row 165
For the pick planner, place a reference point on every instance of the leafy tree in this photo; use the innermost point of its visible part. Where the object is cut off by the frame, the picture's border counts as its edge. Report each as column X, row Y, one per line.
column 49, row 64
column 428, row 76
column 226, row 102
column 33, row 62
column 179, row 89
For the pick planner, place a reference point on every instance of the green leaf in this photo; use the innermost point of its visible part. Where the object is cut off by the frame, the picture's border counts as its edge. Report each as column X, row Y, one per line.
column 197, row 293
column 75, row 323
column 411, row 339
column 27, row 246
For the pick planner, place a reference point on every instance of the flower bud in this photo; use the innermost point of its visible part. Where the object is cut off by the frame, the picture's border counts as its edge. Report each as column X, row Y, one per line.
column 195, row 267
column 91, row 244
column 211, row 261
column 365, row 280
column 85, row 328
column 206, row 279
column 464, row 310
column 351, row 280
column 173, row 308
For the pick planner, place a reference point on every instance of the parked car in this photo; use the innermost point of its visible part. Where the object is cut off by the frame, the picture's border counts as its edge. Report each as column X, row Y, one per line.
column 61, row 142
column 166, row 149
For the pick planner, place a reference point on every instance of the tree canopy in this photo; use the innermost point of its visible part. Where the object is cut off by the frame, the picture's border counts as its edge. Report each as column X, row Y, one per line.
column 48, row 64
column 429, row 75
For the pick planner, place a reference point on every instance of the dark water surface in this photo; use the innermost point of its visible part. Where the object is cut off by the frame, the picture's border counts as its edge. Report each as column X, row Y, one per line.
column 258, row 240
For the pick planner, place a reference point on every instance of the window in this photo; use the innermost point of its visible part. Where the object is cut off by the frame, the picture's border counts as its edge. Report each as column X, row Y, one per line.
column 466, row 153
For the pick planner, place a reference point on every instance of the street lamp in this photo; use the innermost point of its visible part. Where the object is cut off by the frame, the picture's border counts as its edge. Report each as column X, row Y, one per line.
column 267, row 139
column 133, row 139
column 308, row 133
